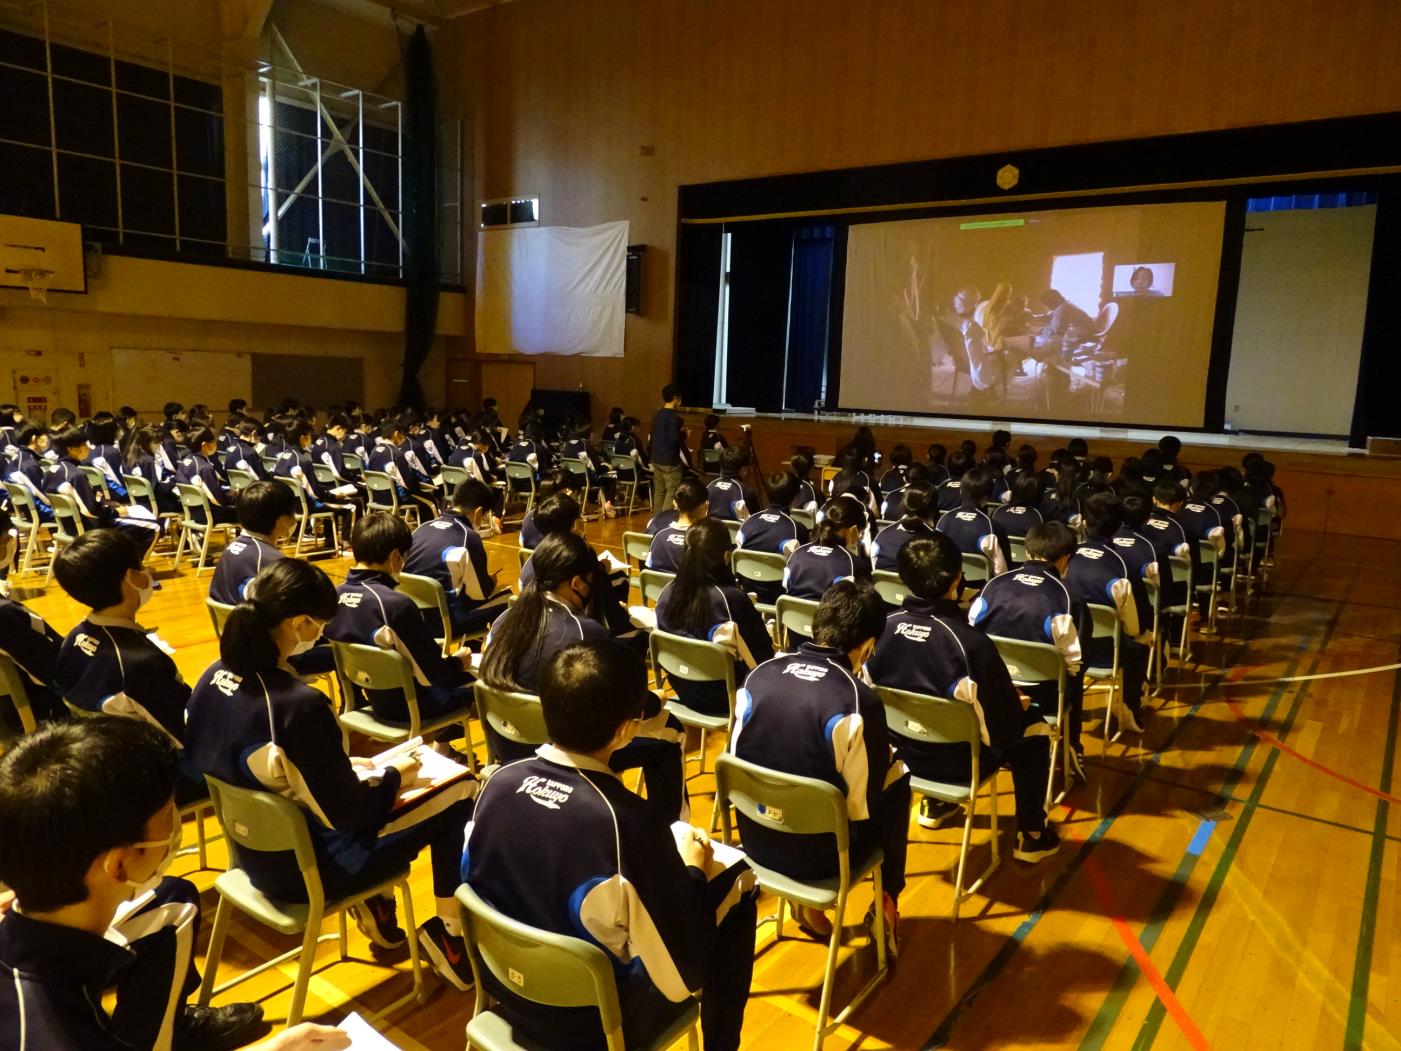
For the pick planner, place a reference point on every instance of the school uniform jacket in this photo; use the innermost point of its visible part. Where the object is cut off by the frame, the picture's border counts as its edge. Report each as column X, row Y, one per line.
column 430, row 457
column 110, row 665
column 525, row 450
column 243, row 456
column 1098, row 574
column 627, row 445
column 1016, row 520
column 1032, row 604
column 394, row 461
column 563, row 627
column 974, row 531
column 806, row 500
column 728, row 500
column 241, row 561
column 1138, row 554
column 668, row 544
column 450, row 551
column 661, row 520
column 893, row 505
column 888, row 542
column 68, row 479
column 948, row 495
column 28, row 640
column 478, row 465
column 559, row 843
column 25, row 470
column 929, row 648
column 327, row 450
column 772, row 530
column 1204, row 521
column 1231, row 517
column 1169, row 537
column 108, row 459
column 201, row 471
column 734, row 624
column 298, row 466
column 894, row 480
column 814, row 568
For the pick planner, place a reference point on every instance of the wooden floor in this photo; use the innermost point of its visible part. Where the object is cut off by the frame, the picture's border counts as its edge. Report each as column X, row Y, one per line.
column 1214, row 890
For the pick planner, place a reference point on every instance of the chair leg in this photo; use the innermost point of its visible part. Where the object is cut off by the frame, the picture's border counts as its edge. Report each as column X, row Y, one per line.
column 305, row 962
column 414, row 961
column 216, row 950
column 824, row 1006
column 343, row 932
column 969, row 808
column 203, row 841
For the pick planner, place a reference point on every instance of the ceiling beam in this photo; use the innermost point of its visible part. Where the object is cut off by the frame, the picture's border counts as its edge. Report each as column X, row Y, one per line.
column 424, row 12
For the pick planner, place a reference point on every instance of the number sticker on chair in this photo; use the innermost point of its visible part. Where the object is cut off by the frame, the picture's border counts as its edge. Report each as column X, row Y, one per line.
column 516, row 977
column 684, row 670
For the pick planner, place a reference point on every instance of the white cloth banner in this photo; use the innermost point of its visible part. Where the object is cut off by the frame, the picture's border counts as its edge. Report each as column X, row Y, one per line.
column 552, row 290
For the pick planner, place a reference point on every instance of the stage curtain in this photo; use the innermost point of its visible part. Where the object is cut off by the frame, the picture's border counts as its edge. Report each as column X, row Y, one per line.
column 808, row 316
column 419, row 221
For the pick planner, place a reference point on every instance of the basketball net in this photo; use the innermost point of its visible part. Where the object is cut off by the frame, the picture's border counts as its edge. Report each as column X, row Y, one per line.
column 37, row 279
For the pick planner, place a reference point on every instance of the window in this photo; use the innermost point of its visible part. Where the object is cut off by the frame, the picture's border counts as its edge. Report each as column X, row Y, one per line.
column 510, row 211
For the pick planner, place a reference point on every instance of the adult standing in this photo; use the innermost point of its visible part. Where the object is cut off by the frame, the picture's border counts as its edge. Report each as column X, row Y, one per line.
column 668, row 435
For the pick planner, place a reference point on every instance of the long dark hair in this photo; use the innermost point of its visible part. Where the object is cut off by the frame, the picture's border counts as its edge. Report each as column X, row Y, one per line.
column 838, row 516
column 289, row 587
column 702, row 567
column 139, row 443
column 560, row 558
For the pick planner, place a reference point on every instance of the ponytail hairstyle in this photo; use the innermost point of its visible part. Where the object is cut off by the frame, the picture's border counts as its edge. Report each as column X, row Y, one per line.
column 801, row 466
column 838, row 516
column 290, row 587
column 702, row 567
column 917, row 499
column 559, row 559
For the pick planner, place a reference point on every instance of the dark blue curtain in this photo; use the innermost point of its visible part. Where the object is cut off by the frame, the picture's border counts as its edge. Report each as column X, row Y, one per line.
column 1310, row 200
column 420, row 216
column 809, row 314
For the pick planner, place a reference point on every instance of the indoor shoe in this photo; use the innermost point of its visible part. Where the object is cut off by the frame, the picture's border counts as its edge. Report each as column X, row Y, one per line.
column 216, row 1028
column 447, row 953
column 1032, row 848
column 378, row 920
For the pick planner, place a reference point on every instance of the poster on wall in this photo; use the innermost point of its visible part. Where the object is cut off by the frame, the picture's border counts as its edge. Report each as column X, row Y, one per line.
column 36, row 391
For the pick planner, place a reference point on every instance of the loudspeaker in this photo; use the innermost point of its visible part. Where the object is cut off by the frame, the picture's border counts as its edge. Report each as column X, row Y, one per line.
column 633, row 295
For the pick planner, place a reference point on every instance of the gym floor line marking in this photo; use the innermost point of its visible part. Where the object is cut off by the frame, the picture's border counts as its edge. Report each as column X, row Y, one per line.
column 1290, row 678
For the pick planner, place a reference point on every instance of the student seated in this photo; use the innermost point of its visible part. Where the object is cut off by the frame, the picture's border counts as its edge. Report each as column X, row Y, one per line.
column 727, row 497
column 897, row 474
column 25, row 468
column 88, row 827
column 626, row 444
column 601, row 476
column 200, row 469
column 833, row 554
column 1099, row 573
column 474, row 455
column 1022, row 510
column 607, row 868
column 705, row 602
column 27, row 639
column 253, row 723
column 893, row 501
column 1170, row 538
column 143, row 459
column 449, row 549
column 553, row 481
column 806, row 497
column 917, row 501
column 267, row 511
column 832, row 728
column 711, row 438
column 689, row 506
column 971, row 528
column 105, row 456
column 330, row 449
column 551, row 614
column 372, row 612
column 96, row 511
column 297, row 465
column 947, row 493
column 772, row 529
column 562, row 514
column 929, row 648
column 390, row 456
column 1034, row 605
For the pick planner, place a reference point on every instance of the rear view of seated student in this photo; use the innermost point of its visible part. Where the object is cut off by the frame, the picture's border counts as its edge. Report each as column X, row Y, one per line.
column 917, row 502
column 607, row 868
column 27, row 639
column 833, row 554
column 896, row 475
column 1098, row 573
column 936, row 459
column 772, row 529
column 806, row 497
column 929, row 648
column 1033, row 604
column 330, row 449
column 372, row 612
column 689, row 506
column 88, row 827
column 254, row 724
column 1022, row 509
column 25, row 469
column 242, row 452
column 555, row 480
column 449, row 549
column 705, row 602
column 893, row 502
column 96, row 510
column 297, row 465
column 971, row 528
column 948, row 492
column 711, row 438
column 601, row 476
column 201, row 470
column 832, row 728
column 552, row 613
column 267, row 511
column 474, row 456
column 727, row 496
column 1203, row 521
column 391, row 457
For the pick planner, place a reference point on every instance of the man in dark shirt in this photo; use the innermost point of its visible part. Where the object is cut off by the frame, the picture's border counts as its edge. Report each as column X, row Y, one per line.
column 668, row 434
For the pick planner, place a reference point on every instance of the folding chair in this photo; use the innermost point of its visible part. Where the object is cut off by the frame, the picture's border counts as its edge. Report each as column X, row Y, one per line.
column 787, row 803
column 306, row 518
column 28, row 523
column 710, row 462
column 766, row 567
column 578, row 472
column 520, row 481
column 262, row 821
column 218, row 615
column 553, row 970
column 193, row 498
column 1105, row 623
column 636, row 548
column 139, row 488
column 804, row 518
column 517, row 717
column 353, row 462
column 451, row 477
column 240, row 479
column 1031, row 664
column 66, row 517
column 793, row 616
column 1016, row 546
column 651, row 583
column 380, row 482
column 890, row 587
column 95, row 478
column 925, row 719
column 429, row 596
column 977, row 570
column 694, row 660
column 1209, row 556
column 13, row 686
column 630, row 483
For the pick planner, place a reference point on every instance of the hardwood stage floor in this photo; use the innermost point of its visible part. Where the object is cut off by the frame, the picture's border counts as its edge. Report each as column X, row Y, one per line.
column 1213, row 890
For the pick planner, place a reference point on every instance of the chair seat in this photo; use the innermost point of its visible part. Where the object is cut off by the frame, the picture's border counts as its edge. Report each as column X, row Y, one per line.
column 363, row 720
column 946, row 791
column 816, row 893
column 286, row 916
column 1101, row 673
column 490, row 1032
column 691, row 717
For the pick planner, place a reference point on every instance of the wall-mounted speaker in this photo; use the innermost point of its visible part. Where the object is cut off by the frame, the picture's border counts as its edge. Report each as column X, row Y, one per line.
column 633, row 295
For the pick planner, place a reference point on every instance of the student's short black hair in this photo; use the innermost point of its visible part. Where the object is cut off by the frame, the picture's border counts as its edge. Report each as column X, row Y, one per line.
column 1104, row 514
column 975, row 487
column 1167, row 492
column 554, row 480
column 851, row 612
column 92, row 567
column 1050, row 542
column 783, row 487
column 929, row 565
column 958, row 464
column 1169, row 445
column 711, row 422
column 1136, row 508
column 557, row 514
column 200, row 438
column 27, row 432
column 936, row 453
column 801, row 464
column 390, row 427
column 589, row 690
column 690, row 494
column 61, row 418
column 237, row 405
column 668, row 392
column 72, row 791
column 126, row 412
column 1078, row 447
column 71, row 438
column 731, row 460
column 172, row 408
column 1001, row 439
column 900, row 456
column 378, row 535
column 472, row 494
column 261, row 504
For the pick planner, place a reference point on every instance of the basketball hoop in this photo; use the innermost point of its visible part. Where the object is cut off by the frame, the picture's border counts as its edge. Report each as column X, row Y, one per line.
column 37, row 278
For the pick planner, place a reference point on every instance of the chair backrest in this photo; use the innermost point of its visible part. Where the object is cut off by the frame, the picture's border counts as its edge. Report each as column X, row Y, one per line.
column 1030, row 662
column 763, row 566
column 1180, row 569
column 622, row 462
column 296, row 487
column 453, row 476
column 257, row 820
column 520, row 476
column 139, row 488
column 371, row 668
column 782, row 802
column 323, row 474
column 218, row 615
column 95, row 477
column 193, row 498
column 554, row 970
column 652, row 582
column 1207, row 553
column 1016, row 548
column 794, row 616
column 12, row 685
column 930, row 720
column 693, row 660
column 428, row 594
column 804, row 518
column 890, row 587
column 240, row 479
column 710, row 460
column 976, row 568
column 353, row 461
column 380, row 482
column 636, row 547
column 22, row 500
column 518, row 717
column 577, row 470
column 66, row 513
column 1105, row 620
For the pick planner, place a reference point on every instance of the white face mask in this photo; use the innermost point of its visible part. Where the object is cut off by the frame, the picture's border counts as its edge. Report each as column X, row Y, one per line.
column 305, row 644
column 144, row 593
column 172, row 845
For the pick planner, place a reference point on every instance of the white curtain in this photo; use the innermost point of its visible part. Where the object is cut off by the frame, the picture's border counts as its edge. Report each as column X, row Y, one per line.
column 552, row 290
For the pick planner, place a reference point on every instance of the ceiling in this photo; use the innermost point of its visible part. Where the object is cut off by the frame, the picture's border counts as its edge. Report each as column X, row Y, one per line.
column 431, row 13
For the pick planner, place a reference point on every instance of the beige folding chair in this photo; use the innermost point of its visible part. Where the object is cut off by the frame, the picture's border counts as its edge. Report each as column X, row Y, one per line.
column 139, row 488
column 13, row 685
column 1030, row 664
column 629, row 488
column 636, row 547
column 793, row 617
column 520, row 484
column 28, row 524
column 651, row 583
column 786, row 803
column 240, row 479
column 517, row 717
column 193, row 498
column 67, row 517
column 552, row 970
column 977, row 570
column 694, row 660
column 262, row 821
column 1105, row 623
column 890, row 587
column 218, row 615
column 765, row 567
column 379, row 482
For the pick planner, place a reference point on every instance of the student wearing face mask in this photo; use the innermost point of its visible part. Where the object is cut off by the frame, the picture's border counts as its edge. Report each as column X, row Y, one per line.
column 88, row 827
column 253, row 723
column 833, row 554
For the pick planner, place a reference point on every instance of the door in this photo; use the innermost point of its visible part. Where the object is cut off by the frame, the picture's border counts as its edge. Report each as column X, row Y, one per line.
column 510, row 383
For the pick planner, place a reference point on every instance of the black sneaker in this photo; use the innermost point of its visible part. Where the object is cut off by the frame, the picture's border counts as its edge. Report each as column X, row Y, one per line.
column 217, row 1028
column 1032, row 848
column 447, row 953
column 934, row 813
column 378, row 920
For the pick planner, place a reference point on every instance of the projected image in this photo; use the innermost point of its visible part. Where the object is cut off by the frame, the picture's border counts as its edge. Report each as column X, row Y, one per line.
column 1046, row 315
